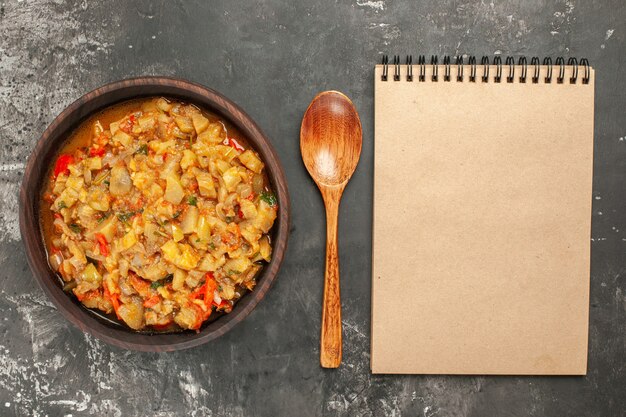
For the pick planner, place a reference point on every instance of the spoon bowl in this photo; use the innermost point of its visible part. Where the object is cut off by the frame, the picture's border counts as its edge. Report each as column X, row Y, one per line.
column 330, row 143
column 331, row 139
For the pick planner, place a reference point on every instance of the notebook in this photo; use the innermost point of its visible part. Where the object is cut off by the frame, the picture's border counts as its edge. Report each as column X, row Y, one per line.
column 482, row 216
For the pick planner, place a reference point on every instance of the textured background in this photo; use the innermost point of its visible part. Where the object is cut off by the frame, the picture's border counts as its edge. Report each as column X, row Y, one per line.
column 272, row 57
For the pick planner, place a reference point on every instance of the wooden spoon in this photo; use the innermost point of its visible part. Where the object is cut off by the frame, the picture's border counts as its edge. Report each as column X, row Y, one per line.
column 330, row 142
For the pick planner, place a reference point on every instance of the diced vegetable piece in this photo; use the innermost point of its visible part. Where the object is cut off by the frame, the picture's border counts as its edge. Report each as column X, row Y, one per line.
column 265, row 249
column 181, row 255
column 143, row 180
column 97, row 199
column 66, row 199
column 228, row 292
column 211, row 263
column 132, row 314
column 228, row 152
column 187, row 318
column 123, row 138
column 55, row 259
column 152, row 301
column 94, row 163
column 120, row 183
column 222, row 166
column 203, row 228
column 251, row 161
column 177, row 233
column 265, row 216
column 146, row 122
column 200, row 123
column 161, row 147
column 179, row 279
column 107, row 228
column 96, row 152
column 213, row 134
column 149, row 106
column 163, row 105
column 189, row 159
column 62, row 164
column 91, row 274
column 237, row 266
column 79, row 258
column 164, row 293
column 189, row 258
column 184, row 124
column 102, row 244
column 248, row 209
column 128, row 241
column 257, row 183
column 190, row 219
column 174, row 190
column 75, row 183
column 231, row 178
column 206, row 186
column 114, row 127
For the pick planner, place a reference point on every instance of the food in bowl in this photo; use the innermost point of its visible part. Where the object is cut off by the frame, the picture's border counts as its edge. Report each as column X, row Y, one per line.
column 157, row 212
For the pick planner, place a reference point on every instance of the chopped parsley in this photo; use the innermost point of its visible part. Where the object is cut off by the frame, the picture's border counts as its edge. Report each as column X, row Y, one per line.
column 269, row 198
column 166, row 279
column 126, row 216
column 142, row 150
column 177, row 214
column 76, row 228
column 61, row 205
column 103, row 216
column 192, row 200
column 107, row 182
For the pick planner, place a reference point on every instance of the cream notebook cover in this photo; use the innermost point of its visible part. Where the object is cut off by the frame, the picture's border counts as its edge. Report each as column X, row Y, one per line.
column 482, row 219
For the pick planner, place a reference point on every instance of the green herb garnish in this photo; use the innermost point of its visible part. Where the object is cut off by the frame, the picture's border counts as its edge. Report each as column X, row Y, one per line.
column 192, row 200
column 229, row 219
column 233, row 272
column 142, row 150
column 103, row 216
column 166, row 279
column 61, row 205
column 76, row 228
column 269, row 198
column 125, row 217
column 107, row 182
column 177, row 214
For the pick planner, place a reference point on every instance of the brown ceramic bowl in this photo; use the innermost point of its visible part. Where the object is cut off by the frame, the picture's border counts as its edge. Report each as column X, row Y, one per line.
column 37, row 167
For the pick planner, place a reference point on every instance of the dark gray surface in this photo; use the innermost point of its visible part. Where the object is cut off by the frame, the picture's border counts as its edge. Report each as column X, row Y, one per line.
column 272, row 57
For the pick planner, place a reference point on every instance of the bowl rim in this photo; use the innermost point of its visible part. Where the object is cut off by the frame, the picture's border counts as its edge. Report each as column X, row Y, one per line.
column 36, row 169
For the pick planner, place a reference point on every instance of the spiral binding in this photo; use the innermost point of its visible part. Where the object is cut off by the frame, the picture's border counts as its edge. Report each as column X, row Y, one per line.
column 484, row 61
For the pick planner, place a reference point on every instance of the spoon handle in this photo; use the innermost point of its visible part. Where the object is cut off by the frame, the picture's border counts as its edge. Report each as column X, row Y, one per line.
column 330, row 349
